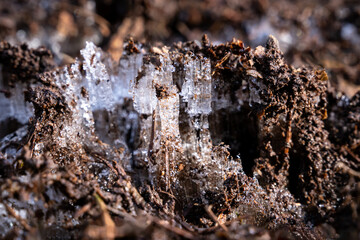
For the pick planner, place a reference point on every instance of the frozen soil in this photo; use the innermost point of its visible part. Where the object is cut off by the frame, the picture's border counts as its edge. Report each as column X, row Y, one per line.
column 193, row 140
column 296, row 143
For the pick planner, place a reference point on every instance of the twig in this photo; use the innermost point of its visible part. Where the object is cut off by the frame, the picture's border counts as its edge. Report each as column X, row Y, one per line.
column 288, row 134
column 17, row 217
column 184, row 224
column 169, row 194
column 124, row 215
column 219, row 63
column 351, row 153
column 82, row 210
column 165, row 224
column 119, row 168
column 223, row 60
column 215, row 218
column 348, row 170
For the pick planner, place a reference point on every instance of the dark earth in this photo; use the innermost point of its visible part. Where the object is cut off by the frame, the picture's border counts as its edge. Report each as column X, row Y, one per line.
column 301, row 142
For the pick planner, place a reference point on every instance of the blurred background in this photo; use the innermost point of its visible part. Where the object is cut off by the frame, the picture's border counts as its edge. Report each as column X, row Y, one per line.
column 323, row 34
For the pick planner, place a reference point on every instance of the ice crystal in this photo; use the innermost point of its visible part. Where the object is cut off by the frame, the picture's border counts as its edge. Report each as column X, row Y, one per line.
column 123, row 83
column 98, row 79
column 196, row 90
column 144, row 92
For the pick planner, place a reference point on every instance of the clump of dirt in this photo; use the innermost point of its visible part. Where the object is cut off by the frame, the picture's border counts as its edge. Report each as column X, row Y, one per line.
column 19, row 63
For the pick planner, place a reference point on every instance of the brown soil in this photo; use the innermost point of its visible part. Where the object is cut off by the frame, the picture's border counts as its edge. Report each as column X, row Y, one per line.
column 299, row 143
